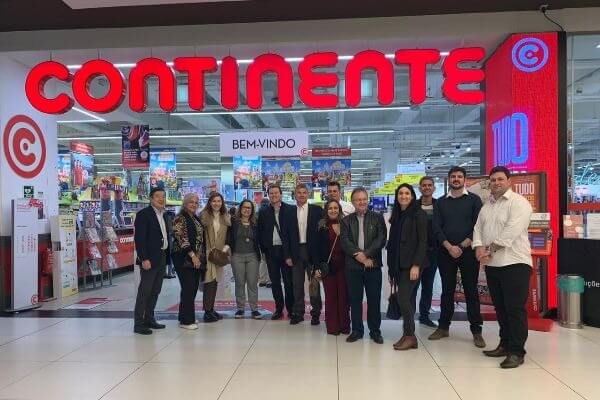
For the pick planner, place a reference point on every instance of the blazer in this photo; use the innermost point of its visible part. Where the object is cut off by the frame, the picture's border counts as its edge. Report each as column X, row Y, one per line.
column 148, row 237
column 235, row 226
column 375, row 238
column 266, row 224
column 315, row 214
column 407, row 245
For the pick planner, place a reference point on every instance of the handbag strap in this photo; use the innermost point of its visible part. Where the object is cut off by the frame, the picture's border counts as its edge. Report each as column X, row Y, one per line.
column 332, row 247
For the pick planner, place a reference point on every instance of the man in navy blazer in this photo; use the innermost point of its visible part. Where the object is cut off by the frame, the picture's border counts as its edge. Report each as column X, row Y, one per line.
column 152, row 247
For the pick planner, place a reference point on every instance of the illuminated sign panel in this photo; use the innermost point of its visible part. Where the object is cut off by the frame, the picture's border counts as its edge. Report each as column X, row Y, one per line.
column 312, row 80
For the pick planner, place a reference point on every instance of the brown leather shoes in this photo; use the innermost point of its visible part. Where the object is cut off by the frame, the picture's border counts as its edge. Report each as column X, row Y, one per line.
column 406, row 343
column 439, row 334
column 478, row 340
column 497, row 352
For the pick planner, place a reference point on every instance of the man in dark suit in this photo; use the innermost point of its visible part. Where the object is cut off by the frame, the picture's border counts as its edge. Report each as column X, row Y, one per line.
column 302, row 235
column 152, row 247
column 363, row 235
column 272, row 234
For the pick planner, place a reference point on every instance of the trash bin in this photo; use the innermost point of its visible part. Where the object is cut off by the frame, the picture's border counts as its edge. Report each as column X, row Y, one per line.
column 570, row 289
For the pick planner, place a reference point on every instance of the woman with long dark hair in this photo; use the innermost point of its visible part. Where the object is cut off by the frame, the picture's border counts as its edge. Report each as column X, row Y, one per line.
column 245, row 258
column 406, row 250
column 216, row 222
column 189, row 258
column 337, row 307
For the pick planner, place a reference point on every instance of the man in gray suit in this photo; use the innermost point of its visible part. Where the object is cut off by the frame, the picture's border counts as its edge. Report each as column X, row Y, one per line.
column 363, row 235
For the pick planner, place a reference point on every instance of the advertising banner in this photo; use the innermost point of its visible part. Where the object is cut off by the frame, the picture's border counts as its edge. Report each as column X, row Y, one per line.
column 527, row 185
column 332, row 152
column 247, row 172
column 63, row 168
column 328, row 170
column 135, row 142
column 163, row 169
column 24, row 254
column 65, row 266
column 273, row 144
column 284, row 173
column 202, row 187
column 82, row 166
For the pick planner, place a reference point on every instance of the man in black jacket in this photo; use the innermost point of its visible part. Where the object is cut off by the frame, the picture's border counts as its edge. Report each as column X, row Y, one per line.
column 273, row 229
column 454, row 218
column 427, row 278
column 152, row 247
column 302, row 234
column 363, row 235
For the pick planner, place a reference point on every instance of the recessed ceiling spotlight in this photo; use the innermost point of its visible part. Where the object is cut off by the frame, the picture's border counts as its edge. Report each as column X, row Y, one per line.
column 598, row 46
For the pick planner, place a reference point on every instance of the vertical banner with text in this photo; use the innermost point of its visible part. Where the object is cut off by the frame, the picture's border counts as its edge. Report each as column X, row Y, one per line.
column 135, row 144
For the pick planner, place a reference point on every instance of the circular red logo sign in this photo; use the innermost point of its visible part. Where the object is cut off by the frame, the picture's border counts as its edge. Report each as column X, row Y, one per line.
column 24, row 146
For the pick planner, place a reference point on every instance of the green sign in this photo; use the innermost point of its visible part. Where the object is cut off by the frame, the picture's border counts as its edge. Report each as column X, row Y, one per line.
column 28, row 192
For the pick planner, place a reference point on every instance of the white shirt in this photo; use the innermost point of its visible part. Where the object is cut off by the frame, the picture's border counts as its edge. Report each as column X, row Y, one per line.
column 464, row 192
column 160, row 215
column 276, row 237
column 504, row 222
column 302, row 214
column 347, row 208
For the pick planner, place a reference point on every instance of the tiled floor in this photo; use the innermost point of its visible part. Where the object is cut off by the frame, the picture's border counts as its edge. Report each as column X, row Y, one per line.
column 87, row 358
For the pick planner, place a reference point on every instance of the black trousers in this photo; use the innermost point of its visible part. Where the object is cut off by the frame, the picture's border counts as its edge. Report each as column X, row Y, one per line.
column 300, row 271
column 509, row 288
column 148, row 291
column 469, row 272
column 406, row 288
column 365, row 280
column 278, row 270
column 189, row 279
column 426, row 281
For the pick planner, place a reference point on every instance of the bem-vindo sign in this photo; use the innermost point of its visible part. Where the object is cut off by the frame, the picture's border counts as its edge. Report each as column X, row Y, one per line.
column 314, row 75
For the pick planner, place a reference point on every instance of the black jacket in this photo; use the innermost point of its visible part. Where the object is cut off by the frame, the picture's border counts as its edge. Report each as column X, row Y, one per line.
column 148, row 237
column 235, row 226
column 407, row 245
column 375, row 238
column 315, row 214
column 266, row 224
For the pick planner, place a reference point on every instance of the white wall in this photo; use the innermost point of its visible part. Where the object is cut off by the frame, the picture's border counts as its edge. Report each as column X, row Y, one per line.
column 13, row 102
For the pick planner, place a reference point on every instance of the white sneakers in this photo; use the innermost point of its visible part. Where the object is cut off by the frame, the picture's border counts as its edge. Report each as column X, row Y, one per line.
column 189, row 327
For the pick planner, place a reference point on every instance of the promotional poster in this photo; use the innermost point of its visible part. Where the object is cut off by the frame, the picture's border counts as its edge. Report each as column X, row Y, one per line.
column 280, row 172
column 82, row 166
column 202, row 187
column 163, row 169
column 135, row 146
column 331, row 170
column 63, row 167
column 247, row 172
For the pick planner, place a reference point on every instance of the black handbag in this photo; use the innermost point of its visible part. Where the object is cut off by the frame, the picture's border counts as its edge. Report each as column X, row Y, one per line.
column 324, row 267
column 393, row 310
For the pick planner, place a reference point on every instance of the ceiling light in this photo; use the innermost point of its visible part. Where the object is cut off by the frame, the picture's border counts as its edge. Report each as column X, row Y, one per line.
column 301, row 111
column 351, row 132
column 81, row 121
column 598, row 46
column 468, row 148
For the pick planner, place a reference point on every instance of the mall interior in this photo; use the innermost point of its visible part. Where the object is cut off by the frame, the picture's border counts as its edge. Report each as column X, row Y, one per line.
column 96, row 108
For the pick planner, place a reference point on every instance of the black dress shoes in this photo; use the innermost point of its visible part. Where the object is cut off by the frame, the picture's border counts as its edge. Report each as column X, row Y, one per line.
column 512, row 361
column 155, row 325
column 376, row 337
column 354, row 336
column 497, row 352
column 315, row 320
column 428, row 322
column 296, row 319
column 142, row 330
column 277, row 315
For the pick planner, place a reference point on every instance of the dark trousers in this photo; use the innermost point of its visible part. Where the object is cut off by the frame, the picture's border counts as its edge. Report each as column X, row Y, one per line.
column 209, row 295
column 189, row 279
column 469, row 273
column 337, row 309
column 278, row 270
column 300, row 270
column 426, row 281
column 406, row 288
column 509, row 288
column 365, row 280
column 148, row 291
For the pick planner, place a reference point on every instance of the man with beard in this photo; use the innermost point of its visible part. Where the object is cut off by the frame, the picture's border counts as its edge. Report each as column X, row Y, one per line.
column 454, row 217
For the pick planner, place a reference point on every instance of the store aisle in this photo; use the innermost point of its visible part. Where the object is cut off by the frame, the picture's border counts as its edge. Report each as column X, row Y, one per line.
column 92, row 359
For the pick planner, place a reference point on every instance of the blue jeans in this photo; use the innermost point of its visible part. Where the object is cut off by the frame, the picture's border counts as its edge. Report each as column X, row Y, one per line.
column 426, row 282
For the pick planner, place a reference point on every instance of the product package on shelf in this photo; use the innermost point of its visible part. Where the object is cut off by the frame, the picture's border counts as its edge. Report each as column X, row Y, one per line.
column 110, row 234
column 94, row 252
column 106, row 218
column 92, row 235
column 94, row 268
column 111, row 262
column 112, row 248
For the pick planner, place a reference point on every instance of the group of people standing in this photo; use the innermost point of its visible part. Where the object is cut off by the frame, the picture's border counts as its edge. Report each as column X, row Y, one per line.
column 341, row 245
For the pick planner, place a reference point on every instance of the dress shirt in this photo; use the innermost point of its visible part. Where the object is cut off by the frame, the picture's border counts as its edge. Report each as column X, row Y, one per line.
column 302, row 214
column 160, row 215
column 347, row 208
column 504, row 222
column 276, row 237
column 361, row 231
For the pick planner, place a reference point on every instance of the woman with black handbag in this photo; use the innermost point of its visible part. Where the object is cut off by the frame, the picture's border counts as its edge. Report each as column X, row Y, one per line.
column 189, row 258
column 331, row 270
column 216, row 222
column 406, row 250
